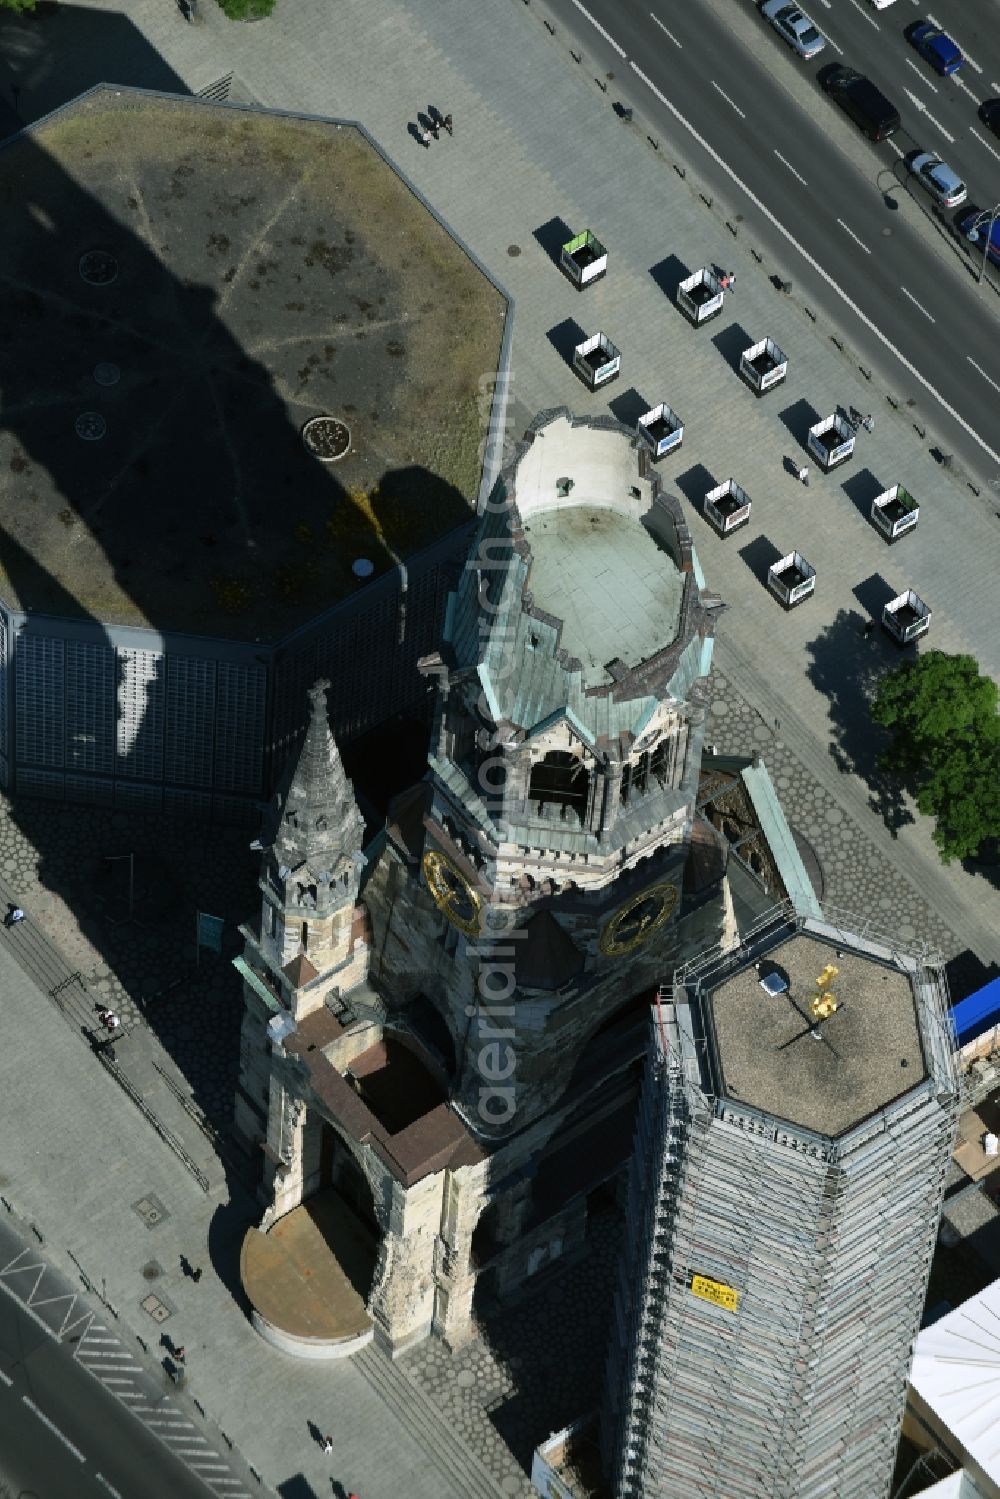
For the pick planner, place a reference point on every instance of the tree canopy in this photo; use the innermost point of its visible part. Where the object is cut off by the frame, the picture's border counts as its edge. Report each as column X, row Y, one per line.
column 942, row 715
column 17, row 4
column 247, row 10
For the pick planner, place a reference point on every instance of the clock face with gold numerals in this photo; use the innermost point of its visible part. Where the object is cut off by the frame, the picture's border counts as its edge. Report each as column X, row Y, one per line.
column 638, row 919
column 454, row 895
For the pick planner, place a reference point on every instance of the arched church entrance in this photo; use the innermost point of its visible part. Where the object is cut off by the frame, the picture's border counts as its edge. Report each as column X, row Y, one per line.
column 310, row 1276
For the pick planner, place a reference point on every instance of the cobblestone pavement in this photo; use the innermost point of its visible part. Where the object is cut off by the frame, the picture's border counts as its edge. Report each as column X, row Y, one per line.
column 856, row 878
column 538, row 1366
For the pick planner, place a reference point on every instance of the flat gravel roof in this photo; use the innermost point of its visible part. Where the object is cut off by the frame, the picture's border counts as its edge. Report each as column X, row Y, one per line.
column 869, row 1054
column 187, row 285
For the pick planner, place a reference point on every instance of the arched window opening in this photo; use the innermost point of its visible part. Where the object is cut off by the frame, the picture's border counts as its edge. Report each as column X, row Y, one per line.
column 660, row 761
column 560, row 781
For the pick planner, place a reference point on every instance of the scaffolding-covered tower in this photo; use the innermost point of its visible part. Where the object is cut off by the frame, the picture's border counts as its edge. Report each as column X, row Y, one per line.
column 795, row 1127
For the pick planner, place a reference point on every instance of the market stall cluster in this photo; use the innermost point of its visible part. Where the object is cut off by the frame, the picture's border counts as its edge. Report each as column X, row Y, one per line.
column 762, row 367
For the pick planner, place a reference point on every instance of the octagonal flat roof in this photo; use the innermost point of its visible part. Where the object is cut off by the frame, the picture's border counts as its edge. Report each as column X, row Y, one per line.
column 254, row 270
column 869, row 1053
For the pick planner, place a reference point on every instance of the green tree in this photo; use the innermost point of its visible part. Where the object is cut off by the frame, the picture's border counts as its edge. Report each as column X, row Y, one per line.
column 17, row 4
column 247, row 10
column 942, row 715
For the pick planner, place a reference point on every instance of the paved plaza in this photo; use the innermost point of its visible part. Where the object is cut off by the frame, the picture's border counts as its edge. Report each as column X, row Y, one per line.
column 537, row 149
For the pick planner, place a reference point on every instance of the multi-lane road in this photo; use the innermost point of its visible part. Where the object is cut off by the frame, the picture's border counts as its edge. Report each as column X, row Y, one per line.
column 842, row 216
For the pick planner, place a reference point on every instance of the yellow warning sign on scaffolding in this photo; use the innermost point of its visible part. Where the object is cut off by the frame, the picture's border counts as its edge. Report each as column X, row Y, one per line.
column 715, row 1291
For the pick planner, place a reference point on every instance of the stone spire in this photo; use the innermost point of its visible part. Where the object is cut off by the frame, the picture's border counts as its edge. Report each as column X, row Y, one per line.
column 318, row 819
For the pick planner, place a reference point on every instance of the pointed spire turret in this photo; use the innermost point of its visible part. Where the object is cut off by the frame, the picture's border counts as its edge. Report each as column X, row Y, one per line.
column 318, row 819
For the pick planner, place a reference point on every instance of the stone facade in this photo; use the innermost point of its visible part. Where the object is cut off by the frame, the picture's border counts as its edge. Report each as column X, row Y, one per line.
column 463, row 1006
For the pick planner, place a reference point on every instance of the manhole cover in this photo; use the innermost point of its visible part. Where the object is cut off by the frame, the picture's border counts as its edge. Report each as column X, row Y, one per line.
column 150, row 1210
column 513, row 251
column 91, row 426
column 98, row 267
column 326, row 438
column 107, row 374
column 154, row 1307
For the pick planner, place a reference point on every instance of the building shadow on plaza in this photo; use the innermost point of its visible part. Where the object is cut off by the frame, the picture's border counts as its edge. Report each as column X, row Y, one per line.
column 132, row 880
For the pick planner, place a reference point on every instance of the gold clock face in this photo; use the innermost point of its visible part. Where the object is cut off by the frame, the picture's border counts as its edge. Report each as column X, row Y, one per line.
column 639, row 918
column 452, row 892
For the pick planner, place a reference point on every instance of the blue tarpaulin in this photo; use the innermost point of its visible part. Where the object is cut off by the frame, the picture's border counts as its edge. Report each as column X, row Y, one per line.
column 977, row 1012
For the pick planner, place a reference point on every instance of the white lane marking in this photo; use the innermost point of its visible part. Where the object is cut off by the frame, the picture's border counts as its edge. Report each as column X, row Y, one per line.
column 920, row 74
column 854, row 236
column 598, row 27
column 965, row 89
column 729, row 101
column 980, row 371
column 6, row 1379
column 893, row 147
column 919, row 104
column 917, row 304
column 28, row 1310
column 664, row 29
column 861, row 11
column 53, row 1428
column 979, row 138
column 833, row 44
column 788, row 164
column 995, row 86
column 974, row 65
column 827, row 3
column 105, row 1485
column 814, row 264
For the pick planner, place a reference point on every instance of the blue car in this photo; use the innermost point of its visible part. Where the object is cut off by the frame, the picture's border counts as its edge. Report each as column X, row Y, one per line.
column 937, row 48
column 974, row 223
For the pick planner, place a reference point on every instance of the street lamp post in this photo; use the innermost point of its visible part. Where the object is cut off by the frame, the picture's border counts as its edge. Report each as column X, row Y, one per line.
column 976, row 226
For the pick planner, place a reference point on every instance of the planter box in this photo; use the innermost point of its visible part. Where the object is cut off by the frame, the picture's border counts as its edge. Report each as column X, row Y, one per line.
column 661, row 430
column 597, row 361
column 763, row 366
column 584, row 259
column 727, row 506
column 831, row 441
column 700, row 297
column 895, row 512
column 906, row 617
column 792, row 579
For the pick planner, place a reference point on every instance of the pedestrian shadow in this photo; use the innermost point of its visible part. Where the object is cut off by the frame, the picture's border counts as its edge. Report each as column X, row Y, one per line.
column 414, row 132
column 846, row 667
column 318, row 1436
column 791, row 466
column 628, row 407
column 668, row 275
column 798, row 418
column 551, row 236
column 759, row 555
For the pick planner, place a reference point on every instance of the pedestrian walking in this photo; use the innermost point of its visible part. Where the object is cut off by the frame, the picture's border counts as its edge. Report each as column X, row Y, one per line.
column 424, row 137
column 328, row 1445
column 179, row 1354
column 868, row 422
column 108, row 1019
column 434, row 128
column 196, row 1274
column 447, row 124
column 869, row 629
column 803, row 475
column 729, row 280
column 14, row 915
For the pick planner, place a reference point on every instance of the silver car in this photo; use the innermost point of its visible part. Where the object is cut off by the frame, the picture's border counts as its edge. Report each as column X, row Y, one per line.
column 944, row 185
column 794, row 26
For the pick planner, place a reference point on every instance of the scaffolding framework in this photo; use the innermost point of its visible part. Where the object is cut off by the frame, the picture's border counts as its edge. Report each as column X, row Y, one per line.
column 792, row 1384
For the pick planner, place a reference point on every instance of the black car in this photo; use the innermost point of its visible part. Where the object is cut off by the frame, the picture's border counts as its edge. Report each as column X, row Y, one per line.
column 989, row 113
column 858, row 97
